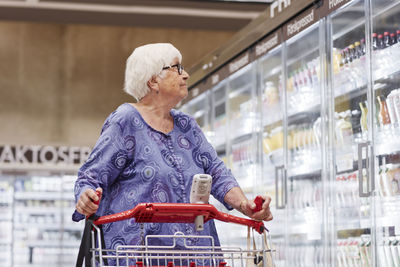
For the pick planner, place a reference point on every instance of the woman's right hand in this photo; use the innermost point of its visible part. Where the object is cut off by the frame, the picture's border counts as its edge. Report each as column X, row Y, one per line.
column 86, row 205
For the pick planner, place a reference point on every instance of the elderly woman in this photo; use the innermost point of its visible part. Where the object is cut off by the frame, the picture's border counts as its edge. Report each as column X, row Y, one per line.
column 149, row 152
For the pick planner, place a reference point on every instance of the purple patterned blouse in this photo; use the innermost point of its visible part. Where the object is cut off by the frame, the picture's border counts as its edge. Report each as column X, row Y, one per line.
column 134, row 163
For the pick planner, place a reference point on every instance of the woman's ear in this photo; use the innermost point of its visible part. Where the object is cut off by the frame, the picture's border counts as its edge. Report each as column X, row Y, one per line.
column 153, row 83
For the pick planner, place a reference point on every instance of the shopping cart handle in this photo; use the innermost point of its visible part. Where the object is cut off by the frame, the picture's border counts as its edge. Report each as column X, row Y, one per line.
column 176, row 213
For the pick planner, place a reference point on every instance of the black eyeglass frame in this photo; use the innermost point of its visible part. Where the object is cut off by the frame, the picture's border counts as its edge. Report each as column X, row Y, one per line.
column 178, row 66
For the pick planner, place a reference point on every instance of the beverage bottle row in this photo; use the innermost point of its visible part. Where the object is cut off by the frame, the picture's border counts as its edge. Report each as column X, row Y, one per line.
column 353, row 252
column 382, row 41
column 303, row 86
column 352, row 52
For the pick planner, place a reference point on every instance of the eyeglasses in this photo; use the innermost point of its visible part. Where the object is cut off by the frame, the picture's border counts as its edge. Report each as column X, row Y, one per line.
column 178, row 66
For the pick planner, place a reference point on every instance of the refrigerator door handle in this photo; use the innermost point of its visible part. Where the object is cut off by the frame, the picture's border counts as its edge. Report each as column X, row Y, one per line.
column 279, row 176
column 362, row 192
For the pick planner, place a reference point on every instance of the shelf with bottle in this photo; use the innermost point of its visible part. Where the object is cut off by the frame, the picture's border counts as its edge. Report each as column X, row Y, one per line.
column 388, row 121
column 304, row 147
column 303, row 88
column 271, row 101
column 349, row 64
column 245, row 120
column 354, row 251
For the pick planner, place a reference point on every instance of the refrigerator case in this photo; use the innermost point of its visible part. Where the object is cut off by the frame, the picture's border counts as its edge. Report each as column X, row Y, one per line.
column 304, row 149
column 329, row 101
column 385, row 105
column 270, row 73
column 350, row 201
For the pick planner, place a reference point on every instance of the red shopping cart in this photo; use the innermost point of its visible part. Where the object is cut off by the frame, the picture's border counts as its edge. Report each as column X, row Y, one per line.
column 170, row 255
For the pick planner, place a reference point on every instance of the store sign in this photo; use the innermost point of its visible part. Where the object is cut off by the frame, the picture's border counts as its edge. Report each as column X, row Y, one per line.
column 35, row 154
column 239, row 63
column 331, row 5
column 277, row 6
column 264, row 46
column 301, row 23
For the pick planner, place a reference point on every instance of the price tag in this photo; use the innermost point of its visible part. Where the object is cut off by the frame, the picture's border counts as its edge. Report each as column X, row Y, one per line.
column 344, row 162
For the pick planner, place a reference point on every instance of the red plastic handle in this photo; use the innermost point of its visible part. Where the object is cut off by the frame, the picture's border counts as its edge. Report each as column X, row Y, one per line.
column 178, row 213
column 96, row 202
column 258, row 201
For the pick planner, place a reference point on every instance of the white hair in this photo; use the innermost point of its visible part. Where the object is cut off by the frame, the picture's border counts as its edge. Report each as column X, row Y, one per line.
column 145, row 62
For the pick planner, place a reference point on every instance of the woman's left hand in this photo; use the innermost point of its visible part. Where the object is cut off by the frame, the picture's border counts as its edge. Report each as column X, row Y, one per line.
column 247, row 207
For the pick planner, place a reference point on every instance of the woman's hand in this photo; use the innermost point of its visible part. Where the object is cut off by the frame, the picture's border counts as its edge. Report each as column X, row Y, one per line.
column 86, row 205
column 247, row 207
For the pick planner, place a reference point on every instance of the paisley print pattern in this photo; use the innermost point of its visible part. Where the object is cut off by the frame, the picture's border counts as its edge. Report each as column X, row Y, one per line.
column 134, row 163
column 182, row 122
column 183, row 142
column 130, row 143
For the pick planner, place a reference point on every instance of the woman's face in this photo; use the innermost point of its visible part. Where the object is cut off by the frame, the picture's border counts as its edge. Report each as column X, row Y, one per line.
column 174, row 84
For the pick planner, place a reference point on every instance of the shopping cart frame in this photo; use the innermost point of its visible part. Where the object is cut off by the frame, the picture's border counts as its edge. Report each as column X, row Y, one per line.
column 146, row 254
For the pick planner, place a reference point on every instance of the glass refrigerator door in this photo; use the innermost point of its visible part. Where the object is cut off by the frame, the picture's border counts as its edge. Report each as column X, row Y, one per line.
column 199, row 108
column 243, row 123
column 386, row 98
column 304, row 245
column 272, row 182
column 6, row 203
column 219, row 119
column 351, row 178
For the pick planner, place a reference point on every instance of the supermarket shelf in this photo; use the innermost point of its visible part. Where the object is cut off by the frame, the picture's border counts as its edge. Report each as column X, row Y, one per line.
column 301, row 112
column 387, row 148
column 42, row 226
column 237, row 92
column 52, row 244
column 42, row 196
column 305, row 172
column 307, row 114
column 272, row 72
column 39, row 210
column 4, row 242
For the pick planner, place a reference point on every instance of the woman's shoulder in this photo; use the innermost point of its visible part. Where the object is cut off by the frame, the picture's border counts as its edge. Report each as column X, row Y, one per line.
column 183, row 121
column 124, row 114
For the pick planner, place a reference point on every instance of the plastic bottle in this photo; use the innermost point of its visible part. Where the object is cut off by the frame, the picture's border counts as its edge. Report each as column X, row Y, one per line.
column 344, row 129
column 380, row 44
column 351, row 53
column 363, row 118
column 375, row 41
column 362, row 44
column 393, row 39
column 358, row 51
column 346, row 55
column 386, row 40
column 384, row 118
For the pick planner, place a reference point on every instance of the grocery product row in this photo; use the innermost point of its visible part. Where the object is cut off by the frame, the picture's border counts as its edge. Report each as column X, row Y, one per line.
column 312, row 119
column 37, row 229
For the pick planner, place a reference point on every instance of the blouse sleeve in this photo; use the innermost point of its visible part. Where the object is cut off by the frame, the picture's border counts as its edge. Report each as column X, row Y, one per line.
column 206, row 156
column 113, row 151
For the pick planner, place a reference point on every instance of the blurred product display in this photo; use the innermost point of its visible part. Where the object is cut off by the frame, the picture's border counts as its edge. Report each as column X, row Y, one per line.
column 36, row 227
column 313, row 121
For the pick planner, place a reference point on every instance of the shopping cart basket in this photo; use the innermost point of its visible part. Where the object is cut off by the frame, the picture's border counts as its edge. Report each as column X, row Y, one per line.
column 93, row 247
